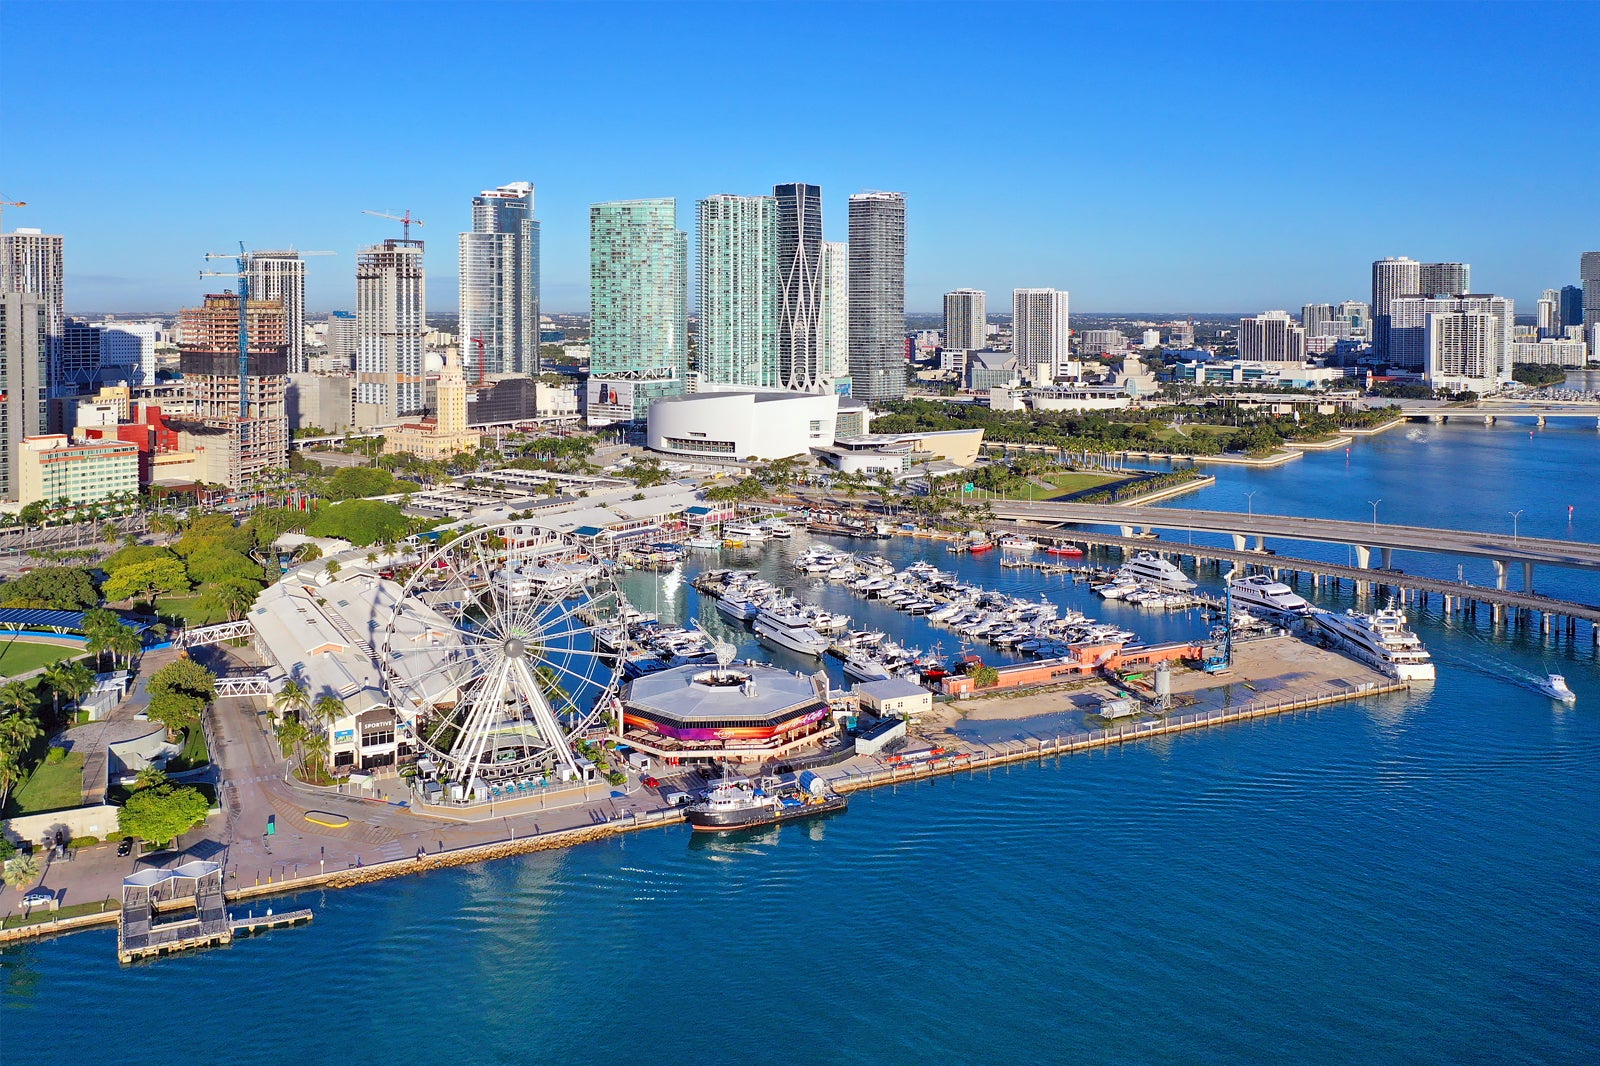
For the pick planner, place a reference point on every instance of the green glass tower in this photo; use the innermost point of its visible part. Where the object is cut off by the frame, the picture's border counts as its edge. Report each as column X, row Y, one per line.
column 639, row 305
column 738, row 275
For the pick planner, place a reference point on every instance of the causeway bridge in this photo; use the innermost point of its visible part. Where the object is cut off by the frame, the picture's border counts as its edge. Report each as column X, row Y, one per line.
column 1488, row 410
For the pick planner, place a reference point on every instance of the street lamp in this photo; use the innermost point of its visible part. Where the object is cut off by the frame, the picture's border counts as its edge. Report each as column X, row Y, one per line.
column 1250, row 501
column 1514, row 516
column 1375, row 512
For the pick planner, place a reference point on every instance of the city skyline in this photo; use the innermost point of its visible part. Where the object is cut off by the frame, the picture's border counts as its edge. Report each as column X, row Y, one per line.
column 1193, row 219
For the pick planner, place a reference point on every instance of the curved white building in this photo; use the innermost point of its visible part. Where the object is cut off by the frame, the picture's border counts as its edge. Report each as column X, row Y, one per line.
column 744, row 424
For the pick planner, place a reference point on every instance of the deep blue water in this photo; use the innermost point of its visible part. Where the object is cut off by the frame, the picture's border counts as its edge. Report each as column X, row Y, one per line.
column 1408, row 880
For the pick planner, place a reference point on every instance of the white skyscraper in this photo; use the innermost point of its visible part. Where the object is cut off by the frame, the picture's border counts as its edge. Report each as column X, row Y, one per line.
column 1408, row 340
column 835, row 329
column 965, row 312
column 1466, row 350
column 391, row 293
column 128, row 351
column 1391, row 279
column 1550, row 314
column 499, row 285
column 1041, row 331
column 281, row 276
column 738, row 287
column 32, row 262
column 1271, row 337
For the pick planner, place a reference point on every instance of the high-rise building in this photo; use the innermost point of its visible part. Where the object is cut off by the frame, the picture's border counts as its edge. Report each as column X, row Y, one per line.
column 835, row 331
column 1589, row 274
column 341, row 340
column 965, row 313
column 391, row 294
column 799, row 286
column 1466, row 350
column 1391, row 279
column 1317, row 320
column 1271, row 337
column 1549, row 320
column 1408, row 340
column 1181, row 334
column 78, row 357
column 1444, row 279
column 128, row 351
column 499, row 287
column 1571, row 305
column 254, row 439
column 1359, row 318
column 877, row 295
column 639, row 307
column 33, row 262
column 281, row 276
column 1041, row 331
column 738, row 285
column 24, row 380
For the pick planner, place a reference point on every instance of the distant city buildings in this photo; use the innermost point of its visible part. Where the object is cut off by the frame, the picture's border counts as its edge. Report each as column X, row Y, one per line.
column 1102, row 342
column 128, row 351
column 639, row 320
column 1454, row 351
column 800, row 285
column 281, row 276
column 1448, row 279
column 965, row 316
column 391, row 294
column 1271, row 337
column 877, row 295
column 499, row 284
column 1042, row 331
column 738, row 288
column 1550, row 352
column 341, row 341
column 1589, row 273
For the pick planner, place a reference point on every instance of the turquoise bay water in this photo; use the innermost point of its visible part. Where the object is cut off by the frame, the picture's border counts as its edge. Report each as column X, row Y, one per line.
column 1408, row 880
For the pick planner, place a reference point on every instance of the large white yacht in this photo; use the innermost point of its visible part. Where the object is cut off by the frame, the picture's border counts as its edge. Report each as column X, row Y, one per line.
column 789, row 629
column 1154, row 570
column 1382, row 639
column 1267, row 593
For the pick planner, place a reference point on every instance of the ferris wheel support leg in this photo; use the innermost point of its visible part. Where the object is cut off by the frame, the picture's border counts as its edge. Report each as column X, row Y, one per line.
column 549, row 728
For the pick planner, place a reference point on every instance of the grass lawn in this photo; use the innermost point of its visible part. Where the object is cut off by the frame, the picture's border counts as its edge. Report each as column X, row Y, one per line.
column 45, row 914
column 1078, row 482
column 190, row 609
column 19, row 656
column 193, row 754
column 54, row 785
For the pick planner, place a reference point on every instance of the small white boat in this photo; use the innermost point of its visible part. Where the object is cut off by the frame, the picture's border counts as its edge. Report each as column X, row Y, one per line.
column 745, row 531
column 1555, row 686
column 704, row 541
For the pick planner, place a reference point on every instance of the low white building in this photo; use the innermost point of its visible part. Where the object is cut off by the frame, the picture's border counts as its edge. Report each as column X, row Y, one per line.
column 894, row 698
column 744, row 424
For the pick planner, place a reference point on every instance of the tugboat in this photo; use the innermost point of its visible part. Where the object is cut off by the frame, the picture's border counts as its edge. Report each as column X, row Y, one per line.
column 740, row 805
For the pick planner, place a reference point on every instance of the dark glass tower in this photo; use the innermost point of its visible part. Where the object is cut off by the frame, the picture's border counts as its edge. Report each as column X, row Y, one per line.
column 878, row 296
column 799, row 286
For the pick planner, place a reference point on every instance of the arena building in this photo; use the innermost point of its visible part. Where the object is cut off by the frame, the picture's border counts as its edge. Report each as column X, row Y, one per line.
column 749, row 423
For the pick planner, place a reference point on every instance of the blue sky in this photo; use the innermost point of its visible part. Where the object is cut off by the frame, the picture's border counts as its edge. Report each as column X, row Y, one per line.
column 1144, row 156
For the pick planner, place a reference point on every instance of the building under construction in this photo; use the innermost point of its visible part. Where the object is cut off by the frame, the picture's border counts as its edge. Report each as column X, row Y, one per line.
column 256, row 440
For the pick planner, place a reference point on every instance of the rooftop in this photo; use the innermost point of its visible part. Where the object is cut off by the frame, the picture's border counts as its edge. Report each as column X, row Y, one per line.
column 893, row 688
column 684, row 694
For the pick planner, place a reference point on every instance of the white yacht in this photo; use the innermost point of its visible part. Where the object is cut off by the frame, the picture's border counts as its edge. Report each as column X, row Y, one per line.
column 1268, row 593
column 862, row 665
column 1555, row 686
column 778, row 529
column 735, row 606
column 1381, row 639
column 790, row 630
column 1154, row 570
column 745, row 531
column 704, row 541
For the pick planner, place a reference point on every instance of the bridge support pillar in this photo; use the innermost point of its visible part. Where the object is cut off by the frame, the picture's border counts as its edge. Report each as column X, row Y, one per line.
column 1527, row 576
column 1496, row 613
column 1261, row 542
column 1126, row 531
column 1240, row 542
column 1388, row 558
column 1544, row 624
column 1500, row 574
column 1363, row 556
column 1448, row 605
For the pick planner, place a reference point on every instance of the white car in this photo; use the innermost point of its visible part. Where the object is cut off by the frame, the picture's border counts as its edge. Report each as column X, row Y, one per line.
column 38, row 899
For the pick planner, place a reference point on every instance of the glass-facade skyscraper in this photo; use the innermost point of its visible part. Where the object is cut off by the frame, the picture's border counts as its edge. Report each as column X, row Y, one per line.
column 835, row 330
column 877, row 296
column 738, row 285
column 800, row 286
column 639, row 307
column 499, row 290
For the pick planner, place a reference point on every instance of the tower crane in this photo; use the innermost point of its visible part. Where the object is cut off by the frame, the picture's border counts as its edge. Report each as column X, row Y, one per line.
column 12, row 203
column 241, row 271
column 405, row 220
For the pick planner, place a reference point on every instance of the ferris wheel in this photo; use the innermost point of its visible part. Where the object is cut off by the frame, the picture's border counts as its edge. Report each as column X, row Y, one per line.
column 489, row 658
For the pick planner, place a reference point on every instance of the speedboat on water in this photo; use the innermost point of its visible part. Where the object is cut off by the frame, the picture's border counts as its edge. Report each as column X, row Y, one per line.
column 1555, row 686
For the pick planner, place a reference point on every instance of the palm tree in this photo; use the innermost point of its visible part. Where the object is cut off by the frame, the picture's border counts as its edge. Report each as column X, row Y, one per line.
column 98, row 644
column 21, row 871
column 56, row 676
column 234, row 599
column 291, row 734
column 17, row 731
column 328, row 709
column 316, row 751
column 149, row 777
column 16, row 698
column 292, row 697
column 126, row 643
column 10, row 774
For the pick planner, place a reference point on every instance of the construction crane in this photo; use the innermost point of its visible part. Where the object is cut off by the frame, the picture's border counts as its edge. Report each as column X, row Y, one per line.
column 405, row 220
column 241, row 271
column 12, row 203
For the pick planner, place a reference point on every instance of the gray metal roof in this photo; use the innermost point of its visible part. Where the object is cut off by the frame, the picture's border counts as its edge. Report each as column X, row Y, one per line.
column 676, row 694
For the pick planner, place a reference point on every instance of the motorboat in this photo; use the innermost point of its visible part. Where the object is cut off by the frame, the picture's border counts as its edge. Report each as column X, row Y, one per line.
column 745, row 531
column 1069, row 551
column 1555, row 686
column 1267, row 593
column 1154, row 570
column 778, row 529
column 791, row 630
column 1381, row 639
column 704, row 541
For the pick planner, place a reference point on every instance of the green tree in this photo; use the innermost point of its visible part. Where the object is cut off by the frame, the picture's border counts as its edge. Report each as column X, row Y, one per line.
column 149, row 777
column 68, row 679
column 53, row 588
column 17, row 698
column 179, row 691
column 291, row 699
column 18, row 732
column 163, row 813
column 125, row 644
column 316, row 747
column 986, row 677
column 291, row 733
column 361, row 522
column 21, row 871
column 152, row 578
column 360, row 482
column 328, row 709
column 215, row 563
